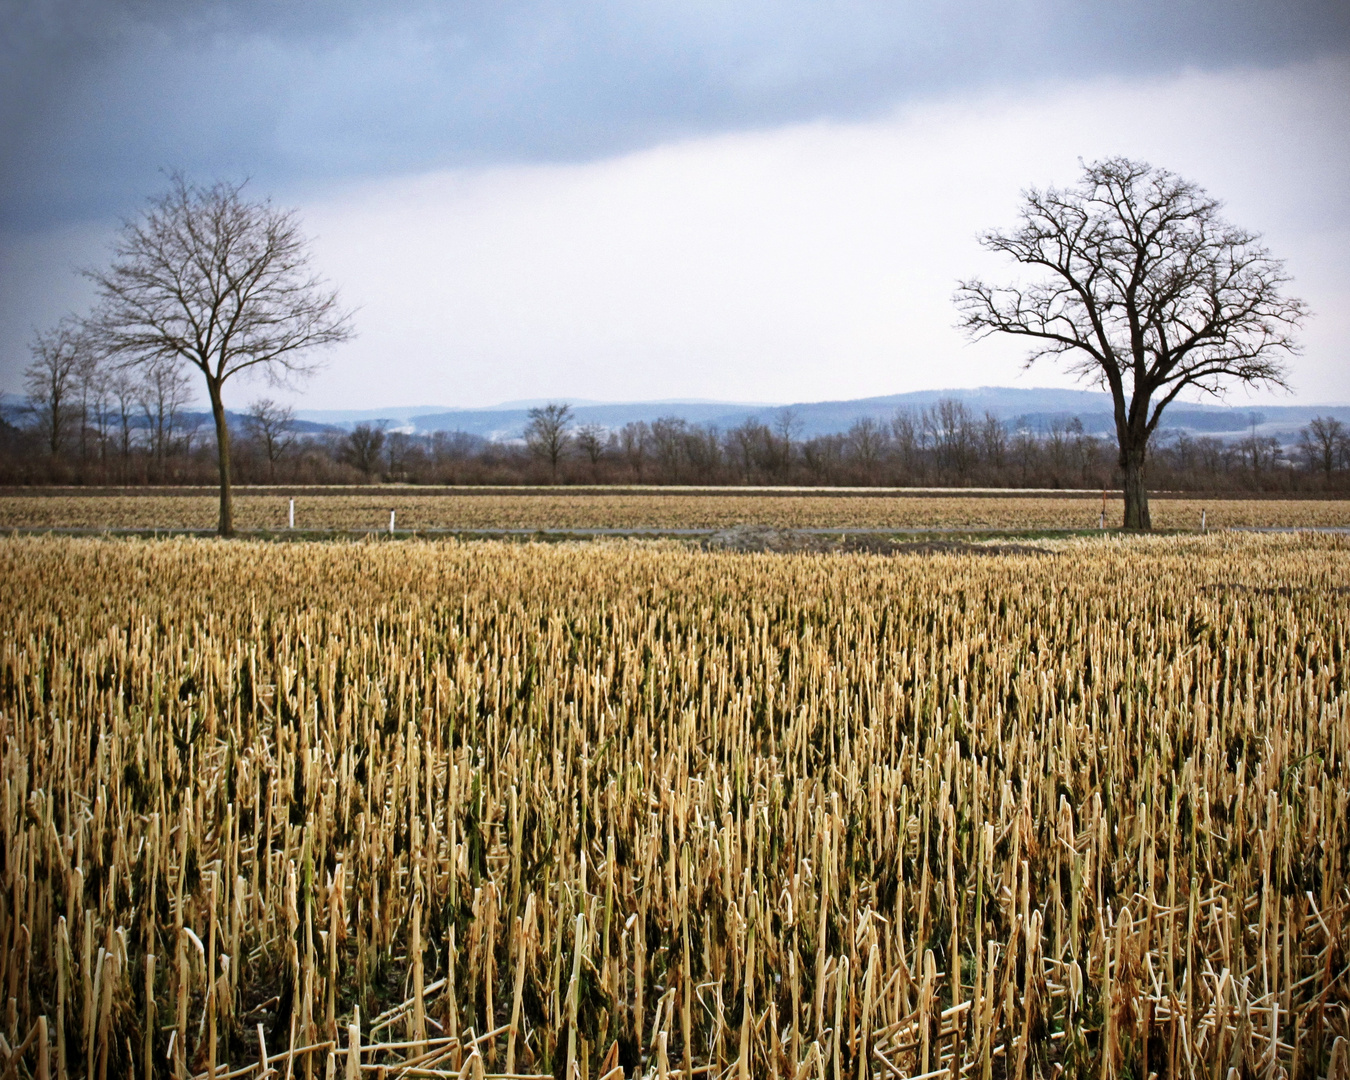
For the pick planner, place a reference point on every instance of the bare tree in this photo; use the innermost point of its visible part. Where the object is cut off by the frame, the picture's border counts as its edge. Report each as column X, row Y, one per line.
column 907, row 438
column 402, row 451
column 749, row 444
column 1259, row 452
column 703, row 451
column 451, row 451
column 362, row 447
column 993, row 441
column 52, row 381
column 163, row 392
column 1210, row 452
column 1322, row 443
column 1086, row 452
column 91, row 392
column 1147, row 290
column 669, row 437
column 272, row 425
column 823, row 456
column 591, row 440
column 787, row 425
column 1026, row 451
column 1182, row 451
column 951, row 426
column 866, row 441
column 189, row 428
column 1055, row 445
column 634, row 442
column 224, row 284
column 124, row 390
column 546, row 433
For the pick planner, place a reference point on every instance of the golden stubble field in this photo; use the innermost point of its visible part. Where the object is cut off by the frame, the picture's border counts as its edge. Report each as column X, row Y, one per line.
column 570, row 809
column 663, row 511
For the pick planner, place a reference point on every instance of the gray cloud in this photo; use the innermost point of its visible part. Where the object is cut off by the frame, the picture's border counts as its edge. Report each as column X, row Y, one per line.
column 96, row 98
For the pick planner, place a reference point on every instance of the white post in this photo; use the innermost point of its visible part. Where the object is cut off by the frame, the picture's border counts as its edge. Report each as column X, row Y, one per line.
column 1101, row 524
column 391, row 521
column 354, row 1045
column 1202, row 520
column 292, row 516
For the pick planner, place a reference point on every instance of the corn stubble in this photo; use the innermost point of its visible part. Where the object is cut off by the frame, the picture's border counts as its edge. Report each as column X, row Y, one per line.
column 363, row 512
column 631, row 809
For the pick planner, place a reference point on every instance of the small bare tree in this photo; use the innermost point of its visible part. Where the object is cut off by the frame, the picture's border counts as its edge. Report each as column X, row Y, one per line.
column 1323, row 444
column 224, row 284
column 787, row 425
column 124, row 390
column 1147, row 290
column 52, row 381
column 362, row 446
column 546, row 433
column 866, row 441
column 993, row 441
column 907, row 439
column 164, row 392
column 950, row 426
column 272, row 425
column 634, row 443
column 591, row 441
column 91, row 391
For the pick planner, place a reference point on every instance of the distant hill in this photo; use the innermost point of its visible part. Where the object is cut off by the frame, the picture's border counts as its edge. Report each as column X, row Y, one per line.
column 1035, row 408
column 15, row 413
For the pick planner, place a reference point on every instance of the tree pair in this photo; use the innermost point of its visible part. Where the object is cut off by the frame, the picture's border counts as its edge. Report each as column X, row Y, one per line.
column 1136, row 279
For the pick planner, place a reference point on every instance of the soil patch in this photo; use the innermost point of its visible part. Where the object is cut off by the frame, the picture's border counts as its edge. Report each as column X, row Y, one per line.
column 752, row 538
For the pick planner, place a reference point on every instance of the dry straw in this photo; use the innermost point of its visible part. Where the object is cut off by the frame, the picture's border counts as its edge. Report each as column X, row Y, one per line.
column 348, row 509
column 487, row 810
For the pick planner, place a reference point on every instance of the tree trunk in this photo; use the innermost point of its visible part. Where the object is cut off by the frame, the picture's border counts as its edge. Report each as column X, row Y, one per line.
column 54, row 443
column 226, row 525
column 1136, row 495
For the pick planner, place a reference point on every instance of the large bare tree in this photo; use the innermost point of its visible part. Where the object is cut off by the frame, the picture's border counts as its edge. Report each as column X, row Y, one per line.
column 207, row 277
column 1140, row 283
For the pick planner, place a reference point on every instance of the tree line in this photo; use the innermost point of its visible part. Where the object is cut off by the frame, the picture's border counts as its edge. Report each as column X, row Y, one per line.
column 108, row 429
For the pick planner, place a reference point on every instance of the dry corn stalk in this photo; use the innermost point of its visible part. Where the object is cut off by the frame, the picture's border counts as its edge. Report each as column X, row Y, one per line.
column 849, row 815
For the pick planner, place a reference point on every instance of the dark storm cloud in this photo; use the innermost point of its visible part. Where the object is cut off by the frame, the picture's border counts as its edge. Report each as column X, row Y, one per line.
column 97, row 98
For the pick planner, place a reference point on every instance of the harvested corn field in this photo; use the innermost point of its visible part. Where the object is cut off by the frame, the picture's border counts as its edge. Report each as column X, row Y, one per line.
column 634, row 809
column 545, row 511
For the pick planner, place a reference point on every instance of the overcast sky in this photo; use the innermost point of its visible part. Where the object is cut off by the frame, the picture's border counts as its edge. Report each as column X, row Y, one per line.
column 753, row 201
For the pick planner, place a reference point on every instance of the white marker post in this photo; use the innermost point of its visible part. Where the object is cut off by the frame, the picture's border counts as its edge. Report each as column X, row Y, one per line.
column 292, row 515
column 391, row 521
column 1202, row 520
